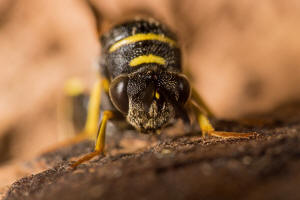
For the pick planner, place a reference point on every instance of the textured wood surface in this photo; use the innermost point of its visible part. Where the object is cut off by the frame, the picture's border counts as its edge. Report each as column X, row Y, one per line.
column 182, row 167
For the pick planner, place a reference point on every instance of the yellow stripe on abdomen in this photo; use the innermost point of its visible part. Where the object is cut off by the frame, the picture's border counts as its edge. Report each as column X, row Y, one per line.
column 147, row 59
column 141, row 37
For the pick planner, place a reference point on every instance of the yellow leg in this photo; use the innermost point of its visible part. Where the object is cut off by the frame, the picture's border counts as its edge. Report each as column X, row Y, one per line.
column 204, row 124
column 100, row 142
column 207, row 128
column 90, row 129
column 199, row 101
column 94, row 107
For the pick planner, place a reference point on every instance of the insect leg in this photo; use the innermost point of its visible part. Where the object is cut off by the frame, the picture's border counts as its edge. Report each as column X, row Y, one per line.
column 205, row 125
column 94, row 107
column 93, row 111
column 100, row 142
column 199, row 101
column 208, row 129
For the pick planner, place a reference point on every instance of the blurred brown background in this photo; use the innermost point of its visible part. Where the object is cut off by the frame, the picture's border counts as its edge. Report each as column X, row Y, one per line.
column 244, row 57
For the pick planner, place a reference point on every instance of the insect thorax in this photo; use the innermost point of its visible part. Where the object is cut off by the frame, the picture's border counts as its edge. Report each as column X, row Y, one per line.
column 129, row 46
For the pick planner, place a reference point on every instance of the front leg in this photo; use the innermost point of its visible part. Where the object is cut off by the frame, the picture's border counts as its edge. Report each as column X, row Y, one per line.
column 207, row 129
column 202, row 111
column 100, row 142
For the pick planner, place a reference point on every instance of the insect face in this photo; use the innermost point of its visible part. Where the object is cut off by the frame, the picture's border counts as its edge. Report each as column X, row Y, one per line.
column 141, row 61
column 150, row 97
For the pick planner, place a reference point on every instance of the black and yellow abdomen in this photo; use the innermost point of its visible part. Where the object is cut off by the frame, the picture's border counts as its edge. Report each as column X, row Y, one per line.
column 129, row 46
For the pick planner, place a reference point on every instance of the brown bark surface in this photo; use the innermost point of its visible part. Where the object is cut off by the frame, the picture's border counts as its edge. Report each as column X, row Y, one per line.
column 244, row 58
column 182, row 167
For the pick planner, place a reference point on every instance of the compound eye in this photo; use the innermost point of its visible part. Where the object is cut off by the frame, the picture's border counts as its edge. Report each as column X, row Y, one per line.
column 118, row 93
column 183, row 89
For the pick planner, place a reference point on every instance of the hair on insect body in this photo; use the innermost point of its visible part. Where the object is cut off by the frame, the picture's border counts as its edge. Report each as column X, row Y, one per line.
column 141, row 75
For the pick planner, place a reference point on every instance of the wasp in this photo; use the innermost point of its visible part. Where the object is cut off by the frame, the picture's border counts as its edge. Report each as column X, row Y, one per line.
column 141, row 75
